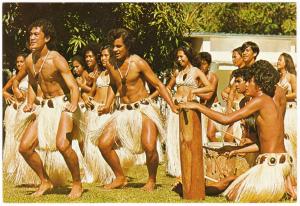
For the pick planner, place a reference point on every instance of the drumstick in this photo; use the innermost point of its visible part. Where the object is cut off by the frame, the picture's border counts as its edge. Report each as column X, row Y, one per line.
column 230, row 134
column 211, row 179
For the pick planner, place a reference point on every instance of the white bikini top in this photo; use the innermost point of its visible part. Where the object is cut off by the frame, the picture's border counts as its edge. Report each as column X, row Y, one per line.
column 103, row 80
column 284, row 83
column 187, row 79
column 23, row 86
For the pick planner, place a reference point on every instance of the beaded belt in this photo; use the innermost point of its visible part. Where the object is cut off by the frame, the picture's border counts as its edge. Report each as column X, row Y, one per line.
column 49, row 102
column 134, row 105
column 15, row 105
column 274, row 159
column 291, row 105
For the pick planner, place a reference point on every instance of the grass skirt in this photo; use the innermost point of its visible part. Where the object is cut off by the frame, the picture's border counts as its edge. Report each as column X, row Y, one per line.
column 9, row 149
column 20, row 173
column 100, row 170
column 48, row 118
column 128, row 126
column 265, row 182
column 290, row 129
column 172, row 145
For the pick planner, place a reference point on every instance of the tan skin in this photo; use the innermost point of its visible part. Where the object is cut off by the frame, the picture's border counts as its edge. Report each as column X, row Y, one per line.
column 55, row 79
column 82, row 76
column 9, row 98
column 237, row 61
column 230, row 94
column 99, row 94
column 90, row 77
column 135, row 91
column 249, row 58
column 210, row 97
column 267, row 115
column 91, row 62
column 292, row 79
column 185, row 91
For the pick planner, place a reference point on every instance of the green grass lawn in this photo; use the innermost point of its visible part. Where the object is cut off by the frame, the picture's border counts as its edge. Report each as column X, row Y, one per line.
column 94, row 193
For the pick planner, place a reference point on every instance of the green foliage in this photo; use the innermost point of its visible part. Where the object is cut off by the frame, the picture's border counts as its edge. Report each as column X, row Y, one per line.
column 159, row 27
column 250, row 18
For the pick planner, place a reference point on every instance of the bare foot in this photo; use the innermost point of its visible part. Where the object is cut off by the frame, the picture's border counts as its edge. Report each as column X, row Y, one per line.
column 119, row 182
column 149, row 186
column 76, row 191
column 44, row 187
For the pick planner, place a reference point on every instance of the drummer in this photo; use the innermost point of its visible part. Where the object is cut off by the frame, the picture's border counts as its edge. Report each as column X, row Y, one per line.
column 269, row 180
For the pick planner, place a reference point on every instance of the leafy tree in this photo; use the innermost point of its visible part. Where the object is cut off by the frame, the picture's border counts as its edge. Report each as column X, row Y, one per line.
column 159, row 27
column 250, row 18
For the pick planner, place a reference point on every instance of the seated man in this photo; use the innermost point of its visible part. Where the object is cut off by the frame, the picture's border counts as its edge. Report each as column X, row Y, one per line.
column 269, row 179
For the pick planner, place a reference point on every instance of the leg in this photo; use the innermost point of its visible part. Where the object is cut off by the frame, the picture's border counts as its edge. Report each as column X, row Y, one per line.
column 211, row 131
column 149, row 137
column 64, row 145
column 27, row 147
column 289, row 188
column 215, row 188
column 105, row 144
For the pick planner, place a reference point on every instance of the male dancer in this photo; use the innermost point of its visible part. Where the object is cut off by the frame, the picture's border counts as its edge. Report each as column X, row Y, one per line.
column 51, row 129
column 136, row 122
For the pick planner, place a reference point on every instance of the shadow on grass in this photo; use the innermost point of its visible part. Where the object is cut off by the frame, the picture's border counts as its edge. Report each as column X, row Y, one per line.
column 140, row 185
column 58, row 190
column 26, row 185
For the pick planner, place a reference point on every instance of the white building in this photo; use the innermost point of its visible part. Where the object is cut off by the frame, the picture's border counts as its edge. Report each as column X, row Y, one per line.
column 220, row 46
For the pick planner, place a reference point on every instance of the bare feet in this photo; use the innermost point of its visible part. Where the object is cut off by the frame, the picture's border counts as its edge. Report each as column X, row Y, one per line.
column 44, row 187
column 119, row 182
column 76, row 191
column 149, row 186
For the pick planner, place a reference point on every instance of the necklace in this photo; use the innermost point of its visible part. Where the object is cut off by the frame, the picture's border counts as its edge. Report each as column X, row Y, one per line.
column 37, row 73
column 123, row 78
column 186, row 73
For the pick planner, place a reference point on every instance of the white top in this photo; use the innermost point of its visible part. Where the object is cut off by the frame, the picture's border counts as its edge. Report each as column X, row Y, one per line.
column 189, row 80
column 102, row 80
column 23, row 86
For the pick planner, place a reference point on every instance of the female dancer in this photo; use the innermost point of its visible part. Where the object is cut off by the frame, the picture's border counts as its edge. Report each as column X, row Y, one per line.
column 9, row 153
column 288, row 81
column 15, row 122
column 187, row 80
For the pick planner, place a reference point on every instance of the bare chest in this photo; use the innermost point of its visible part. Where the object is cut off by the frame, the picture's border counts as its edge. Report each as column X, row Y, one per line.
column 126, row 74
column 44, row 71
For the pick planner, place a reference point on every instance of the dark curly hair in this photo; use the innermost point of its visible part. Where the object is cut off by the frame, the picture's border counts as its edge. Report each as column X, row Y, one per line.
column 79, row 59
column 252, row 45
column 289, row 63
column 206, row 56
column 187, row 51
column 48, row 29
column 21, row 54
column 94, row 47
column 111, row 54
column 127, row 36
column 238, row 50
column 265, row 76
column 201, row 56
column 243, row 73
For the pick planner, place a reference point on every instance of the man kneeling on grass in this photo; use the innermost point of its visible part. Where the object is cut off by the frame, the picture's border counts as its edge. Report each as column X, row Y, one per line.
column 269, row 180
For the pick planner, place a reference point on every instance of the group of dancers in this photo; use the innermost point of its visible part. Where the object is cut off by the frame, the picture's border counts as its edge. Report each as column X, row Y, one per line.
column 97, row 122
